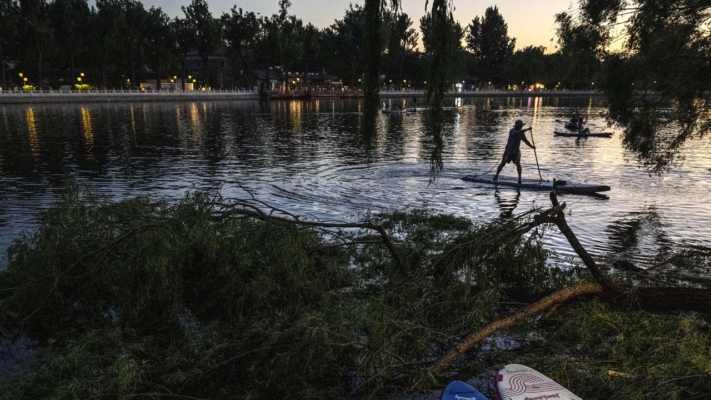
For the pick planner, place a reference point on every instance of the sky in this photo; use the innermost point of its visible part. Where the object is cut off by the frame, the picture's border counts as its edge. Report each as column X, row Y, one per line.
column 531, row 22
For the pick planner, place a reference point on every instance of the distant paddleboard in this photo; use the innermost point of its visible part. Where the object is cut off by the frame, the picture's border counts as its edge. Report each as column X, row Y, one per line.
column 563, row 186
column 461, row 391
column 576, row 134
column 518, row 382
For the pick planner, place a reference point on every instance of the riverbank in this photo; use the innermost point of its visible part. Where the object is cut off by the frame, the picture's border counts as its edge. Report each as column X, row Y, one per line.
column 114, row 96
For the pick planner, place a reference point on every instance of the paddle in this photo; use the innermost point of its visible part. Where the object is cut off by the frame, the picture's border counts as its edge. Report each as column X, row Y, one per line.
column 533, row 142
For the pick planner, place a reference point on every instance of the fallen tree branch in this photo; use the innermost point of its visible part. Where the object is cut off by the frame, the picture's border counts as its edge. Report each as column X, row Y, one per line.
column 387, row 241
column 665, row 299
column 539, row 307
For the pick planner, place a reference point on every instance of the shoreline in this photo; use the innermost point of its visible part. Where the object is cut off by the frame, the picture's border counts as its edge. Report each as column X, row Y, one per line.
column 109, row 96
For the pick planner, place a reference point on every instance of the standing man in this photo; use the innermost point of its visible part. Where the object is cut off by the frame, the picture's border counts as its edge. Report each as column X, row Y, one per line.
column 513, row 149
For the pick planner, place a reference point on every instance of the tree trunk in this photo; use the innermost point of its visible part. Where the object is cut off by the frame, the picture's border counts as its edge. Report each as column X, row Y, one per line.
column 207, row 71
column 133, row 75
column 39, row 69
column 2, row 67
column 71, row 69
column 182, row 62
column 539, row 307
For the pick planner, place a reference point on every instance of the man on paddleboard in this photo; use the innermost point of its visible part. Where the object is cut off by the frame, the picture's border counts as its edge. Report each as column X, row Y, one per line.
column 513, row 149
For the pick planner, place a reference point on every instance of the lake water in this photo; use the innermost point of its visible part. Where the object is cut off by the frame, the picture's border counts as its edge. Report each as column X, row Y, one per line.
column 308, row 157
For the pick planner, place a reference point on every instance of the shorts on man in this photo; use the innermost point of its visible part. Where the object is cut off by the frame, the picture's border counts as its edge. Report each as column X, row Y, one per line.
column 511, row 156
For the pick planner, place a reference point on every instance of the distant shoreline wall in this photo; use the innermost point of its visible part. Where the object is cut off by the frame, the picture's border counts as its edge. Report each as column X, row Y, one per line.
column 47, row 97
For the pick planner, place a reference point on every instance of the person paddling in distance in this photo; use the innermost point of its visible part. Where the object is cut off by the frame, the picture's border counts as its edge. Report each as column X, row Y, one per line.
column 513, row 149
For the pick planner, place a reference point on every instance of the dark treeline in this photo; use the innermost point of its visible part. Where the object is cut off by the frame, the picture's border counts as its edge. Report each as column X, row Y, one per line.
column 119, row 43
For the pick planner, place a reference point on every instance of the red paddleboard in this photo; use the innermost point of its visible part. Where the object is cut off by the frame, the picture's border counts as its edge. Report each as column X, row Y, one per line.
column 518, row 382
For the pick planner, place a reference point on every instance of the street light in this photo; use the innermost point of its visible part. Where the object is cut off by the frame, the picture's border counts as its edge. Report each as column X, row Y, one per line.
column 190, row 77
column 21, row 75
column 81, row 74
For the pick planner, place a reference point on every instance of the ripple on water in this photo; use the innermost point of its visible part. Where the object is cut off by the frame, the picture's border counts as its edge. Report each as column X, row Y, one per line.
column 308, row 158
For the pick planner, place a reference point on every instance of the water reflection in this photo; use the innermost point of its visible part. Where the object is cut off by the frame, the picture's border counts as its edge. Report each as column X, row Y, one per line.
column 32, row 131
column 508, row 201
column 88, row 132
column 315, row 149
column 639, row 234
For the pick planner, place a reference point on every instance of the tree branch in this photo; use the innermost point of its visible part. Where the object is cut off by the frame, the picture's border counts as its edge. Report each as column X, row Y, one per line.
column 541, row 306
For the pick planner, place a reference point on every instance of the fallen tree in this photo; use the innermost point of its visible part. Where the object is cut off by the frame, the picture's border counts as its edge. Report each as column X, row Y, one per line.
column 208, row 297
column 656, row 299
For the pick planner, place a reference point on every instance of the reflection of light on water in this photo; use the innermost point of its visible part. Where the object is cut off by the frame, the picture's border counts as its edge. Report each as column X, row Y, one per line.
column 179, row 124
column 195, row 121
column 32, row 131
column 411, row 144
column 317, row 106
column 88, row 132
column 295, row 107
column 590, row 104
column 133, row 122
column 460, row 139
column 536, row 109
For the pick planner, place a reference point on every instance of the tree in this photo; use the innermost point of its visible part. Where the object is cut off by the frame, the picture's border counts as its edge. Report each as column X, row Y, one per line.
column 345, row 39
column 207, row 30
column 131, row 31
column 311, row 46
column 489, row 41
column 9, row 15
column 104, row 21
column 402, row 44
column 241, row 32
column 528, row 65
column 37, row 32
column 70, row 21
column 583, row 47
column 665, row 62
column 183, row 44
column 460, row 57
column 160, row 41
column 289, row 46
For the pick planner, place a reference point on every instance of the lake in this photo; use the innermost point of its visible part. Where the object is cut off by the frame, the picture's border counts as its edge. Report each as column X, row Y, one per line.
column 308, row 157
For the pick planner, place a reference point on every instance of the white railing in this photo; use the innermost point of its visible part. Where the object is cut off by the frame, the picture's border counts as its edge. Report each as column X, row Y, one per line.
column 484, row 92
column 129, row 92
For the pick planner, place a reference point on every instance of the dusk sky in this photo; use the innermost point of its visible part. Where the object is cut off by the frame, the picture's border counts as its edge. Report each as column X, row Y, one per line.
column 531, row 22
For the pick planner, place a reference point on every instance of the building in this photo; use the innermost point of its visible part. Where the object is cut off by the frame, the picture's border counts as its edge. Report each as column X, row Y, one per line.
column 222, row 75
column 167, row 84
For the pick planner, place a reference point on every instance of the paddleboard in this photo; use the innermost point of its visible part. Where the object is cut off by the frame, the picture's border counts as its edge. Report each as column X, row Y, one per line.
column 518, row 382
column 534, row 184
column 458, row 390
column 575, row 134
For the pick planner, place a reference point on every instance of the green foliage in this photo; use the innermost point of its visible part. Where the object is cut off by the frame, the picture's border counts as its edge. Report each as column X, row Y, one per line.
column 207, row 31
column 657, row 86
column 142, row 297
column 655, row 357
column 139, row 299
